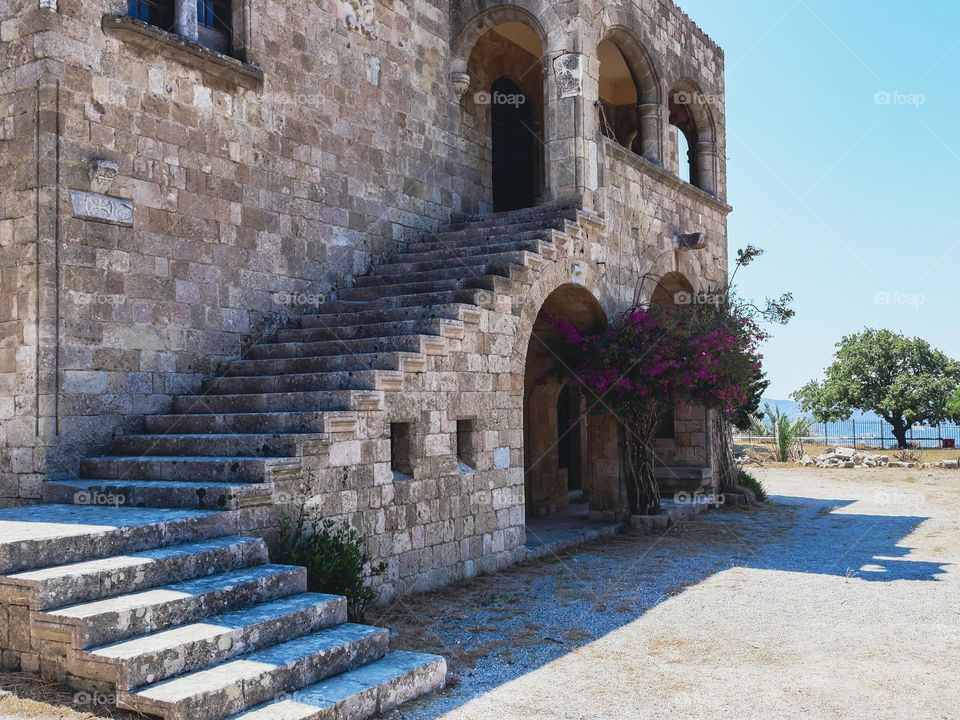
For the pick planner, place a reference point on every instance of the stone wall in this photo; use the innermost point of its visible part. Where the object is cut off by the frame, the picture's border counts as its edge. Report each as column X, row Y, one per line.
column 253, row 198
column 27, row 150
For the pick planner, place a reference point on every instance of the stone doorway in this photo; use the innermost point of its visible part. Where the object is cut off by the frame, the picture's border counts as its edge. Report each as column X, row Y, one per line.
column 571, row 442
column 512, row 140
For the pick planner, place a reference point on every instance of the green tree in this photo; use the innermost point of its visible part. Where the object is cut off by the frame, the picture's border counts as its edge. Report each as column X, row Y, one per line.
column 953, row 407
column 901, row 379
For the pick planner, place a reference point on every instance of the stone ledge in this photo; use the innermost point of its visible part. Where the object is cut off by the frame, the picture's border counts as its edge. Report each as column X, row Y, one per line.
column 656, row 172
column 150, row 38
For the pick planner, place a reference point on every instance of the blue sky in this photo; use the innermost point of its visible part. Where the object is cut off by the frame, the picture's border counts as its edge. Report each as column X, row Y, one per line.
column 843, row 146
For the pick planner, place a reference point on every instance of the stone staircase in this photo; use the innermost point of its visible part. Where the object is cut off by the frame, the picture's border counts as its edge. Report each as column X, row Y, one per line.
column 169, row 613
column 159, row 599
column 220, row 448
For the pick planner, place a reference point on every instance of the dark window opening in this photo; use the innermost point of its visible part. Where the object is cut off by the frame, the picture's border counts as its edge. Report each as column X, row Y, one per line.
column 156, row 12
column 568, row 436
column 514, row 153
column 213, row 24
column 466, row 443
column 666, row 429
column 401, row 449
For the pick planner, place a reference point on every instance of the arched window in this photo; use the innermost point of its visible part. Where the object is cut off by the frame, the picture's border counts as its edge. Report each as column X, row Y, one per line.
column 618, row 96
column 629, row 95
column 692, row 137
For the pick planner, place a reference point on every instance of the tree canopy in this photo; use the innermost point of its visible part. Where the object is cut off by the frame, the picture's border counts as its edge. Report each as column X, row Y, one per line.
column 903, row 380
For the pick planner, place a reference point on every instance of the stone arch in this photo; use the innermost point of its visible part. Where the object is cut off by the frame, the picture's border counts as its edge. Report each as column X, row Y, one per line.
column 548, row 427
column 488, row 15
column 646, row 74
column 672, row 289
column 565, row 271
column 600, row 441
column 632, row 116
column 689, row 112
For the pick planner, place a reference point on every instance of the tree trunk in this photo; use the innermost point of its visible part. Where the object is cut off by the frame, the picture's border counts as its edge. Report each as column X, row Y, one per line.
column 727, row 470
column 900, row 433
column 643, row 492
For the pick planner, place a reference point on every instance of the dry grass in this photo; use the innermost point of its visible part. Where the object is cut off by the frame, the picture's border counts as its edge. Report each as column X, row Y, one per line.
column 25, row 696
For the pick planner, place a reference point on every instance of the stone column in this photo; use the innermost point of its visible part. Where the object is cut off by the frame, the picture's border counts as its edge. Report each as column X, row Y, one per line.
column 705, row 166
column 186, row 19
column 649, row 126
column 568, row 172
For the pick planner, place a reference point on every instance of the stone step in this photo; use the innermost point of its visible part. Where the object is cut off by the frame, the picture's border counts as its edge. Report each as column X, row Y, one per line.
column 257, row 677
column 457, row 240
column 38, row 536
column 449, row 311
column 443, row 328
column 107, row 577
column 216, row 445
column 187, row 648
column 375, row 688
column 461, row 257
column 319, row 423
column 453, row 268
column 430, row 344
column 471, row 296
column 483, row 282
column 280, row 402
column 159, row 494
column 515, row 220
column 321, row 363
column 107, row 621
column 292, row 382
column 228, row 469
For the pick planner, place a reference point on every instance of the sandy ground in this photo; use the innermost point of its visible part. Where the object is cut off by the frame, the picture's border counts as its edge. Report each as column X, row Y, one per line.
column 841, row 599
column 838, row 599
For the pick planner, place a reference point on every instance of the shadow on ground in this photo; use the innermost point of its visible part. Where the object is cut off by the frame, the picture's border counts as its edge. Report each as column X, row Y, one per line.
column 498, row 628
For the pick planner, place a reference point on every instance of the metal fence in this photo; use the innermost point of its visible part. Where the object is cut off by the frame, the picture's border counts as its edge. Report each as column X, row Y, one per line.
column 871, row 434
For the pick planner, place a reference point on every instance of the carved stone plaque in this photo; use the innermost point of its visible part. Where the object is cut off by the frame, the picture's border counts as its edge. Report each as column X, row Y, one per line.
column 101, row 208
column 568, row 72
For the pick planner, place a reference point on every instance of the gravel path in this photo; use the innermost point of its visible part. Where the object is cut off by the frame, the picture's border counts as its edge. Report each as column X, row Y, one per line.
column 840, row 599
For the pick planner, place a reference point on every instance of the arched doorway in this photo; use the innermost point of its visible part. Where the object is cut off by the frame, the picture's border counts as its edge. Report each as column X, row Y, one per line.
column 512, row 139
column 504, row 108
column 571, row 443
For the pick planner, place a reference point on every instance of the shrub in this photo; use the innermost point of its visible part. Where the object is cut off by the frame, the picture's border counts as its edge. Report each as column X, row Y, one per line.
column 787, row 433
column 752, row 483
column 334, row 557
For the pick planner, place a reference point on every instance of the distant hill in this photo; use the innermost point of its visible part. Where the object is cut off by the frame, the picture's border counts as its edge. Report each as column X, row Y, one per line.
column 792, row 409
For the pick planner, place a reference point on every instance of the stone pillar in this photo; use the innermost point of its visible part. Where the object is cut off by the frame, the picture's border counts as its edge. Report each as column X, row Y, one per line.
column 186, row 19
column 704, row 157
column 567, row 161
column 649, row 124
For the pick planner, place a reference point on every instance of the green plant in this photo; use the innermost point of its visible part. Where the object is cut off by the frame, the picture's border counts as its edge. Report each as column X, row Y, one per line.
column 334, row 557
column 903, row 380
column 786, row 432
column 753, row 484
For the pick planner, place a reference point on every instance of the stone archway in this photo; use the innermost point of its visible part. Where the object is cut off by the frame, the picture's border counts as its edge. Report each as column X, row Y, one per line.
column 571, row 448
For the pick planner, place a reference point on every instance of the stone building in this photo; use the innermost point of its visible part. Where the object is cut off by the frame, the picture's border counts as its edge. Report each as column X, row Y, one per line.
column 254, row 254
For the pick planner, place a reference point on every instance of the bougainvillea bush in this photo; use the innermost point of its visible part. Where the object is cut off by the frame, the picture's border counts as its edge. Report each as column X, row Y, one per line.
column 650, row 360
